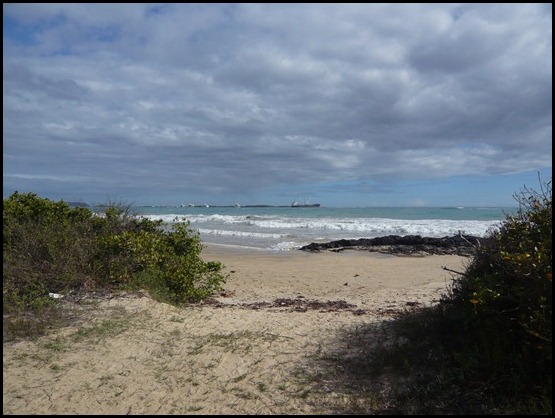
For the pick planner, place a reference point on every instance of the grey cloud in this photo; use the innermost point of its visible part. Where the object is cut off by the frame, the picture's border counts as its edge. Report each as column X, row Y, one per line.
column 18, row 77
column 219, row 96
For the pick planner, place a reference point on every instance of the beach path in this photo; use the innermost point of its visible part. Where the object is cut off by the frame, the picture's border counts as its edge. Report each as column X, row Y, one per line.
column 255, row 349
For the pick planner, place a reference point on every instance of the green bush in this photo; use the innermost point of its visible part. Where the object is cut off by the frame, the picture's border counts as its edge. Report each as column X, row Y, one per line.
column 501, row 306
column 50, row 247
column 46, row 246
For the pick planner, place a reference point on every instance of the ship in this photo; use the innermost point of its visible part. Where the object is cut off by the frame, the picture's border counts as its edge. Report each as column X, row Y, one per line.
column 296, row 204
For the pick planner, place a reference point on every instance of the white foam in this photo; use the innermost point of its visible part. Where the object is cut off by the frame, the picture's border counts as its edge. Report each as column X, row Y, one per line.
column 240, row 233
column 287, row 245
column 428, row 227
column 285, row 233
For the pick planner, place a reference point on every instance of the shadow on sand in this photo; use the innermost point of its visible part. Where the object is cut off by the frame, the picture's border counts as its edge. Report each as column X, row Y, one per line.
column 398, row 366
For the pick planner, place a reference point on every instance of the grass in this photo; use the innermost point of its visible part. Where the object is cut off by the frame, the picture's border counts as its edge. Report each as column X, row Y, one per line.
column 58, row 344
column 241, row 342
column 33, row 325
column 102, row 331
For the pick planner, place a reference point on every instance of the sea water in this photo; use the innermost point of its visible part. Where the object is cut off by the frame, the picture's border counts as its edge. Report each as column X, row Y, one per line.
column 287, row 228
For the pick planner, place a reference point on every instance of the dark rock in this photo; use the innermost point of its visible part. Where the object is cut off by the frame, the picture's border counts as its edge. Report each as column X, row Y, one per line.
column 414, row 245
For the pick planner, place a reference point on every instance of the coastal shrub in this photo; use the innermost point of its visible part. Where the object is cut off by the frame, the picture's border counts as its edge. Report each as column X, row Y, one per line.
column 51, row 247
column 501, row 307
column 180, row 269
column 46, row 246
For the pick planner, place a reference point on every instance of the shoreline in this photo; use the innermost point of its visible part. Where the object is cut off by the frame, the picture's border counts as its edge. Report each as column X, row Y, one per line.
column 353, row 275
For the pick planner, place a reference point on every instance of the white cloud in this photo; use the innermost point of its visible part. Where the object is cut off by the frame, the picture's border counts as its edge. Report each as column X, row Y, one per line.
column 275, row 94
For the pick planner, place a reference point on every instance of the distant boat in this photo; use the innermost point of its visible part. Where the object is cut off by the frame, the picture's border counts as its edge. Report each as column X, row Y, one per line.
column 296, row 204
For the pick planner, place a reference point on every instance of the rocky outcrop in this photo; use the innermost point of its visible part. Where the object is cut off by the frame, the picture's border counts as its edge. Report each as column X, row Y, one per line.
column 411, row 245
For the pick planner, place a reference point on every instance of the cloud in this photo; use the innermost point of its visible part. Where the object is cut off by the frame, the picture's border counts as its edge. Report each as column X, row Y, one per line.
column 216, row 98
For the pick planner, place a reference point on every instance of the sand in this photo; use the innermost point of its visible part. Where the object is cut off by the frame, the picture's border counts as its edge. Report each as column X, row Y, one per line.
column 258, row 349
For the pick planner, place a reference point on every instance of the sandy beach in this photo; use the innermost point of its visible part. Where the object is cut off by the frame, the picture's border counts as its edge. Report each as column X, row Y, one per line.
column 256, row 349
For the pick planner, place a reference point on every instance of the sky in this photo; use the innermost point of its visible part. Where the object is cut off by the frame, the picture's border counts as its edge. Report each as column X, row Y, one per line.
column 338, row 104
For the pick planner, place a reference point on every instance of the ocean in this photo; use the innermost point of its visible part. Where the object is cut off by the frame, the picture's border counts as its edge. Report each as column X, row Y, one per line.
column 286, row 228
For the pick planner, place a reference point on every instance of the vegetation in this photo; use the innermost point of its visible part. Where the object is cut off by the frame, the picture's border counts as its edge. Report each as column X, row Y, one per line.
column 51, row 248
column 486, row 348
column 507, row 289
column 499, row 314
